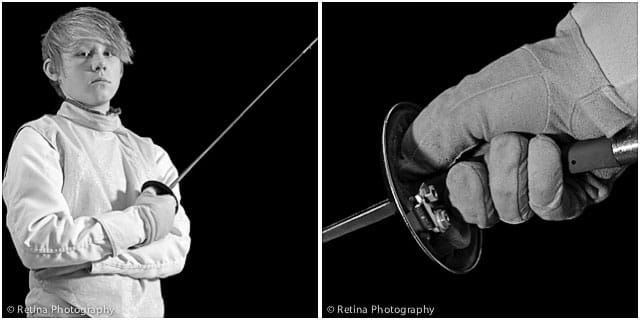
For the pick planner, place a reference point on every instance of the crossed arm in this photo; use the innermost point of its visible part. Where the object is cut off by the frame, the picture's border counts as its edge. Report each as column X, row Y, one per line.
column 48, row 236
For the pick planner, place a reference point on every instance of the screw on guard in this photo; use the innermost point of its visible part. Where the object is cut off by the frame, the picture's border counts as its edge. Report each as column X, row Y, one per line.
column 433, row 222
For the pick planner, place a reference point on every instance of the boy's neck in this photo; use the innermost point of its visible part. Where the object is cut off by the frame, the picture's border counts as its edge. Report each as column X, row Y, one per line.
column 101, row 109
column 104, row 109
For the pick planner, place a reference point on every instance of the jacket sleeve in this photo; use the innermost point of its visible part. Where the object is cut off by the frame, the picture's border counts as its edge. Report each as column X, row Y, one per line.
column 43, row 230
column 617, row 55
column 159, row 259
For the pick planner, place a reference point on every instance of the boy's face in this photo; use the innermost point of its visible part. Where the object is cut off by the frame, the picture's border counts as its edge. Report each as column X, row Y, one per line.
column 90, row 73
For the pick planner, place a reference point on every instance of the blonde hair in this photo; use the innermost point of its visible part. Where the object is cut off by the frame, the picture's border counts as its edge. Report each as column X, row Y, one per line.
column 82, row 23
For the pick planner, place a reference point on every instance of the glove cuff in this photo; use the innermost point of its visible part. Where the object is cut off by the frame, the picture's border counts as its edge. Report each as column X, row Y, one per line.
column 149, row 225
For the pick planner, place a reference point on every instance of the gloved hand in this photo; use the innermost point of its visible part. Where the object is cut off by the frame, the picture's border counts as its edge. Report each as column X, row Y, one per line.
column 553, row 89
column 159, row 209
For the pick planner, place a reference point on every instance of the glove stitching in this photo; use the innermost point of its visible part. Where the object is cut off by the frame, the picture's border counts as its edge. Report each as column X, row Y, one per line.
column 580, row 101
column 523, row 211
column 504, row 84
column 546, row 85
column 574, row 108
column 547, row 210
column 149, row 226
column 480, row 219
column 519, row 218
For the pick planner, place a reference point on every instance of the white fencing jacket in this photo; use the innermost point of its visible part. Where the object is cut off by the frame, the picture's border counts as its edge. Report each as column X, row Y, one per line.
column 610, row 30
column 70, row 183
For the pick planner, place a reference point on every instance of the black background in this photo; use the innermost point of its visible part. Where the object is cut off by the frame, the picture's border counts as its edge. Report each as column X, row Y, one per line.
column 252, row 201
column 375, row 55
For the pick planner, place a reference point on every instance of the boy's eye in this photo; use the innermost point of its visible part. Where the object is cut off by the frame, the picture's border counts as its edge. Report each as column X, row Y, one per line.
column 82, row 54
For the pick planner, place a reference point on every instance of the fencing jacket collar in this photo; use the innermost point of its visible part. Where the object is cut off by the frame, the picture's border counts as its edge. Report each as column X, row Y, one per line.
column 91, row 119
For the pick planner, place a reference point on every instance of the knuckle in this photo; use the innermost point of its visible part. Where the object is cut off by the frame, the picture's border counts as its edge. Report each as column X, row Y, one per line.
column 553, row 214
column 518, row 216
column 508, row 149
column 464, row 178
column 512, row 218
column 547, row 216
column 509, row 139
column 543, row 144
column 513, row 221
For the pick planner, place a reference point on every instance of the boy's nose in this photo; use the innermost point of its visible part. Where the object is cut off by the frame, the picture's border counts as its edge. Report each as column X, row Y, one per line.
column 98, row 64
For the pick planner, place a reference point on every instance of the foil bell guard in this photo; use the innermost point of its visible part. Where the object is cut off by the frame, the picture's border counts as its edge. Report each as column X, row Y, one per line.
column 436, row 226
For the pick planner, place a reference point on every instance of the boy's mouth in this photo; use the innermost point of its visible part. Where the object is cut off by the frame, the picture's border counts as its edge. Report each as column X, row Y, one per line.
column 100, row 80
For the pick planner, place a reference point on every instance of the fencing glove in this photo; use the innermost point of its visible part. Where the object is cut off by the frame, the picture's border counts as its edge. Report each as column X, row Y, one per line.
column 158, row 209
column 552, row 91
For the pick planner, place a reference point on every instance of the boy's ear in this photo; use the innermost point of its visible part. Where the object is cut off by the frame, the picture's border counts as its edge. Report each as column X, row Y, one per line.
column 50, row 70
